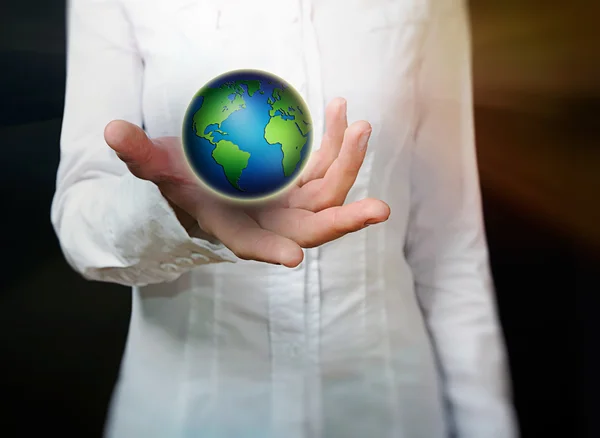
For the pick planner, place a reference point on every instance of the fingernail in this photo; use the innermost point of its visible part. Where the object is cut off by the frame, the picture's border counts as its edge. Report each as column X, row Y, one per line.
column 364, row 140
column 371, row 222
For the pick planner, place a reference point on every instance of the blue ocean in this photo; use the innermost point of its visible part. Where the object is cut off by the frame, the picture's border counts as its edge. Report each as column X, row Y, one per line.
column 245, row 128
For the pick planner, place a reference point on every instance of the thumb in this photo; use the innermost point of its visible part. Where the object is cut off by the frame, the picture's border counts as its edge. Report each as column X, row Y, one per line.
column 143, row 158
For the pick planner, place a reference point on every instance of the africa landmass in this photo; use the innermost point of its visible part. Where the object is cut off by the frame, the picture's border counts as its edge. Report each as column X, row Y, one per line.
column 287, row 126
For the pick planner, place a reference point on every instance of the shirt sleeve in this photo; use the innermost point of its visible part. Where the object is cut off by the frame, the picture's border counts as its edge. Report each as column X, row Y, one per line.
column 446, row 245
column 111, row 225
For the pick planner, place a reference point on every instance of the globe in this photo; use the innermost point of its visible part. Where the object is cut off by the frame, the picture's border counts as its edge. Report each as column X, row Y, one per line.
column 247, row 135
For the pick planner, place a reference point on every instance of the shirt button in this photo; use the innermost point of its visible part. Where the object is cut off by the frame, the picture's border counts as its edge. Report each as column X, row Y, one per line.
column 198, row 258
column 169, row 267
column 184, row 261
column 294, row 351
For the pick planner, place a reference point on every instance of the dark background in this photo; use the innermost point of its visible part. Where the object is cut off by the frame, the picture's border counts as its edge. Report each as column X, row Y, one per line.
column 537, row 100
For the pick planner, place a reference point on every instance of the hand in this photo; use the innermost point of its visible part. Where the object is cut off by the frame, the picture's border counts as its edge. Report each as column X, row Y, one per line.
column 309, row 214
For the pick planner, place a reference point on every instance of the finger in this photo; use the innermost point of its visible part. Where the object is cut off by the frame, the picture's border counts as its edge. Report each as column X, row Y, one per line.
column 157, row 161
column 309, row 229
column 131, row 145
column 246, row 239
column 333, row 188
column 336, row 123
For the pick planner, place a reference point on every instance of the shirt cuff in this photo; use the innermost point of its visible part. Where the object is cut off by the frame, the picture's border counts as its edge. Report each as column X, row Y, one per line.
column 151, row 243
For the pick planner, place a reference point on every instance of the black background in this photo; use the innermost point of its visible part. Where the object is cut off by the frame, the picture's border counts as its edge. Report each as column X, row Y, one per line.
column 61, row 337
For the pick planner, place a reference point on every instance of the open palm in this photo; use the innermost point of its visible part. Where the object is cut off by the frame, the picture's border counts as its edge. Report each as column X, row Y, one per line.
column 310, row 214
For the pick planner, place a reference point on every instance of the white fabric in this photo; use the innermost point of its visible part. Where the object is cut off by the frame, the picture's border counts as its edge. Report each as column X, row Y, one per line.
column 388, row 332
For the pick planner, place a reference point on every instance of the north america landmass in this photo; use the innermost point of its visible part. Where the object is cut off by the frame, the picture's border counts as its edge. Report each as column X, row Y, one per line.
column 288, row 125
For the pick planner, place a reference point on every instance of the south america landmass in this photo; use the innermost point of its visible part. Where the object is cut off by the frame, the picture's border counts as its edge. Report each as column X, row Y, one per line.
column 218, row 104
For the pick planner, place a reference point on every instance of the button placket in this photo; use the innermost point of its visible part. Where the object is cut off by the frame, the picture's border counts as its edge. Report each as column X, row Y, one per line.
column 287, row 307
column 312, row 278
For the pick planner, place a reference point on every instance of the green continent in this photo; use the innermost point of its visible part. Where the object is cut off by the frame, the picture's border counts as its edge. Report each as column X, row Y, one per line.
column 216, row 108
column 253, row 86
column 292, row 141
column 218, row 104
column 289, row 126
column 232, row 159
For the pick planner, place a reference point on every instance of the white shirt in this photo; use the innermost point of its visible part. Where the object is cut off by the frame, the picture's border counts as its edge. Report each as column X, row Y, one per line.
column 387, row 332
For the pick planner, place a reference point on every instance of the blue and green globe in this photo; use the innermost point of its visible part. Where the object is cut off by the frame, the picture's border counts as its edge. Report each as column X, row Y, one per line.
column 247, row 134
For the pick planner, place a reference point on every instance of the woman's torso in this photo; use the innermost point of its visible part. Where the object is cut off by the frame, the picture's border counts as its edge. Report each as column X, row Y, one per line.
column 336, row 347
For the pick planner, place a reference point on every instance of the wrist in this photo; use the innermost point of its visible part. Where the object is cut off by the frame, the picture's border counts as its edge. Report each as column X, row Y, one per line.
column 185, row 219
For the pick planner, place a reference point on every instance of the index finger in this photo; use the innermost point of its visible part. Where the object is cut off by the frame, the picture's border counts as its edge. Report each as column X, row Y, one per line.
column 333, row 188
